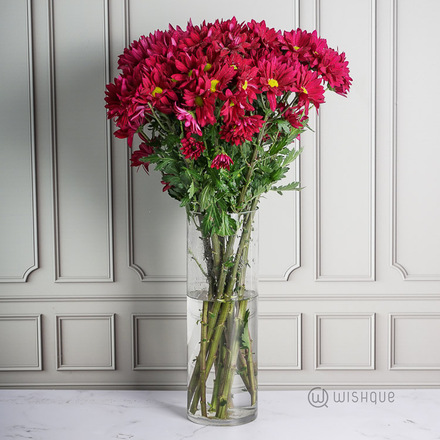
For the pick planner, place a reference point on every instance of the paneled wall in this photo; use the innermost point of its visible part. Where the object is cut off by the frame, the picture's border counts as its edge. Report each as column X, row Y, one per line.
column 92, row 253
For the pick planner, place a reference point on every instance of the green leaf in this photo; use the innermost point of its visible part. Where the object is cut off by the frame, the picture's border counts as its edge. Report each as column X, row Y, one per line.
column 276, row 147
column 284, row 125
column 293, row 186
column 291, row 156
column 245, row 340
column 206, row 197
column 228, row 225
column 191, row 190
column 184, row 201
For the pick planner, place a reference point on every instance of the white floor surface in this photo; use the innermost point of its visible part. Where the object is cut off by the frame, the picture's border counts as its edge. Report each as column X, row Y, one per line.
column 161, row 415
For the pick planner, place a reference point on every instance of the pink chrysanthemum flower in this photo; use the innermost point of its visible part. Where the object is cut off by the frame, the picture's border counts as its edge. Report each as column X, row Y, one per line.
column 191, row 148
column 297, row 44
column 189, row 120
column 138, row 157
column 334, row 68
column 276, row 78
column 222, row 161
column 242, row 129
column 309, row 88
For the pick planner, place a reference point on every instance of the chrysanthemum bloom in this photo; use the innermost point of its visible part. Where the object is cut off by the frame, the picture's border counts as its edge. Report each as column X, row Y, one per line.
column 189, row 120
column 185, row 64
column 334, row 68
column 160, row 44
column 157, row 90
column 242, row 129
column 247, row 83
column 198, row 96
column 309, row 88
column 222, row 161
column 119, row 106
column 234, row 107
column 262, row 39
column 295, row 116
column 276, row 78
column 138, row 157
column 191, row 148
column 297, row 44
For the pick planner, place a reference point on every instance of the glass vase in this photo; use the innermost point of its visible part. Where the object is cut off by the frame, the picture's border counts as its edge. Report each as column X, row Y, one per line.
column 222, row 321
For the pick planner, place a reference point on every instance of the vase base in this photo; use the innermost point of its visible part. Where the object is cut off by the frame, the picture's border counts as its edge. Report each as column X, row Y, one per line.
column 240, row 417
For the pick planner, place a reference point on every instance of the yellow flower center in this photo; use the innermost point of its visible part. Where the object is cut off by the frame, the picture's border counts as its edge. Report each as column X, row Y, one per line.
column 295, row 47
column 199, row 101
column 245, row 85
column 214, row 83
column 157, row 90
column 304, row 90
column 207, row 67
column 273, row 82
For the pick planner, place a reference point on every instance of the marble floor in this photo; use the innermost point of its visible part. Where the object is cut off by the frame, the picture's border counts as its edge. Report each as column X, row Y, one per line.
column 160, row 415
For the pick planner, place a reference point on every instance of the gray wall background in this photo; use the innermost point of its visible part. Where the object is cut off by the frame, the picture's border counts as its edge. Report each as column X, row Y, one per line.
column 92, row 254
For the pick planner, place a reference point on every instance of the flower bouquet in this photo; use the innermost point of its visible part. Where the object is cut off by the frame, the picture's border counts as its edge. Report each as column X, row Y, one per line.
column 217, row 108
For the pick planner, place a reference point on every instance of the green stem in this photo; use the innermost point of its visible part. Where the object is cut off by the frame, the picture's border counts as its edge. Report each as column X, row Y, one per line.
column 219, row 364
column 225, row 265
column 203, row 372
column 217, row 255
column 212, row 319
column 231, row 365
column 251, row 373
column 240, row 259
column 224, row 311
column 243, row 370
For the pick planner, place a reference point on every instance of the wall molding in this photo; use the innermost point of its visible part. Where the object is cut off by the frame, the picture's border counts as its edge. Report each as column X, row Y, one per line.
column 61, row 365
column 38, row 366
column 267, row 297
column 394, row 141
column 33, row 190
column 54, row 155
column 371, row 365
column 294, row 317
column 371, row 275
column 296, row 243
column 393, row 365
column 296, row 264
column 143, row 275
column 137, row 365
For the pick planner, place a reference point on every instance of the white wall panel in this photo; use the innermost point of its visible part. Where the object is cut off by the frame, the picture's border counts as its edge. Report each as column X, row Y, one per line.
column 416, row 181
column 159, row 342
column 414, row 341
column 345, row 195
column 279, row 341
column 345, row 341
column 20, row 343
column 279, row 243
column 85, row 342
column 18, row 217
column 81, row 140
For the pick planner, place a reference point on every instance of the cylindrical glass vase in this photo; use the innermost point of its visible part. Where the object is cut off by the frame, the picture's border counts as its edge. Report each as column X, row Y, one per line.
column 222, row 321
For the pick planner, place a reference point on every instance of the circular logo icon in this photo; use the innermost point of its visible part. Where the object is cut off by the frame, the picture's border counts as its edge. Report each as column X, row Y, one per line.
column 318, row 397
